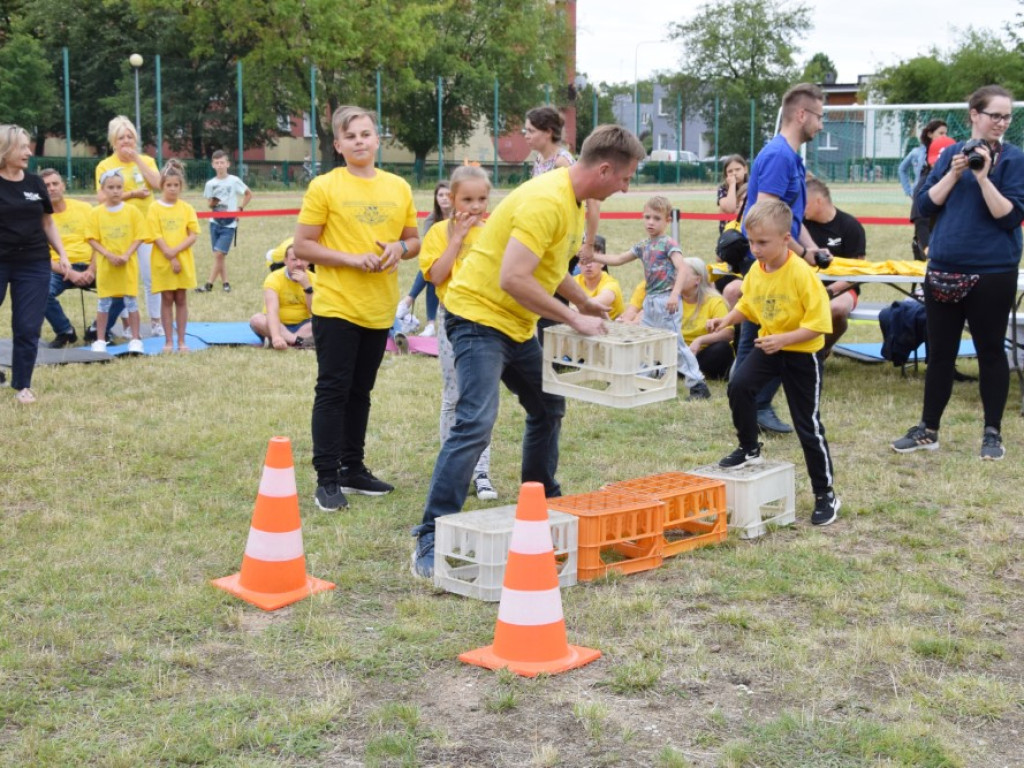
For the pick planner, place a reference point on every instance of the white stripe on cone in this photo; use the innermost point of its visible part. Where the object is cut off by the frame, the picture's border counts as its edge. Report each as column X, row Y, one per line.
column 532, row 608
column 278, row 483
column 531, row 537
column 274, row 547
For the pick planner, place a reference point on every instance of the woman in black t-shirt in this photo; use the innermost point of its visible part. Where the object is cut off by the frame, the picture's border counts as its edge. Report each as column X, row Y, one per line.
column 26, row 233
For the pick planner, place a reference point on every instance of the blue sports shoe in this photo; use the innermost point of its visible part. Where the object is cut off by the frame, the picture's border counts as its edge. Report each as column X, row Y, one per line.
column 423, row 554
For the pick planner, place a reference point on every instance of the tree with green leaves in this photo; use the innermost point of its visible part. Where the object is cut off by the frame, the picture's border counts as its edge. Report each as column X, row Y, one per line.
column 819, row 69
column 27, row 94
column 737, row 52
column 470, row 44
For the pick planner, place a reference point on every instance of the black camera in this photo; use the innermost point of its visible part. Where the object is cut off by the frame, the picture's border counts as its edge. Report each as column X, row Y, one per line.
column 975, row 161
column 822, row 259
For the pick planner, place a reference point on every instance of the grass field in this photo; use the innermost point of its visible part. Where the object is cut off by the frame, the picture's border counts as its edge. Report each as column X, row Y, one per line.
column 893, row 638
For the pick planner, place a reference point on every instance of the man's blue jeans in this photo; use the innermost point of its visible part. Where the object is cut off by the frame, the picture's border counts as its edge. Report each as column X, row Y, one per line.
column 484, row 358
column 55, row 314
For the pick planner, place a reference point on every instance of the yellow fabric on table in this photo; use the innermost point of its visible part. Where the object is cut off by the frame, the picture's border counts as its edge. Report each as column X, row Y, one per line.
column 842, row 266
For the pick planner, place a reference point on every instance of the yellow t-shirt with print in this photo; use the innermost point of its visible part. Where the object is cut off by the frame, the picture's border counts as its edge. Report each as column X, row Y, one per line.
column 355, row 213
column 133, row 179
column 695, row 317
column 542, row 214
column 172, row 224
column 291, row 297
column 791, row 297
column 116, row 231
column 606, row 283
column 434, row 244
column 73, row 223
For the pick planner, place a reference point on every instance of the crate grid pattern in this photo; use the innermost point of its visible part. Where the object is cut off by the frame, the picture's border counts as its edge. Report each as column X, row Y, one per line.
column 615, row 524
column 471, row 550
column 694, row 507
column 615, row 369
column 757, row 495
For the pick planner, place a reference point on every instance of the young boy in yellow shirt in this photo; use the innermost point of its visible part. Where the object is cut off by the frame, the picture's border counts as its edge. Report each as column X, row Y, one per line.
column 784, row 297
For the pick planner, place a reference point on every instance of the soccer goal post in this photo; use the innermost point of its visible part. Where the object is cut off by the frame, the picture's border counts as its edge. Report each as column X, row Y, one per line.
column 866, row 142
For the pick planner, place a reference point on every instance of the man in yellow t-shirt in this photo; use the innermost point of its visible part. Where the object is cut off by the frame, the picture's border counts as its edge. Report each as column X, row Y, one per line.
column 72, row 220
column 287, row 305
column 504, row 284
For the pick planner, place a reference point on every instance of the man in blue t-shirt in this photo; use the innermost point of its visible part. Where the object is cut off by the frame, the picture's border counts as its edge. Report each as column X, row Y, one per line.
column 778, row 172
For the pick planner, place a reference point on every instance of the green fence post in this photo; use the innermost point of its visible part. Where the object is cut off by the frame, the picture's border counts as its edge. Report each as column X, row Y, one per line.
column 240, row 142
column 312, row 120
column 440, row 130
column 380, row 149
column 67, row 111
column 159, row 118
column 496, row 131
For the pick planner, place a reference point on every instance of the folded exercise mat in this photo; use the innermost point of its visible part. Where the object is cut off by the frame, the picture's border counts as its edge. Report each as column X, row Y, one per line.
column 224, row 333
column 154, row 345
column 422, row 345
column 872, row 352
column 61, row 356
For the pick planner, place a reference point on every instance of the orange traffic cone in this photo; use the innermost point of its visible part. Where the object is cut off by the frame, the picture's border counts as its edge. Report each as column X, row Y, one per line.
column 273, row 571
column 530, row 637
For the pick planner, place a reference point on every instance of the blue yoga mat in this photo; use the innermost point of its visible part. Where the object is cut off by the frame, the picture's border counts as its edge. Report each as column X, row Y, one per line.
column 871, row 352
column 224, row 333
column 154, row 345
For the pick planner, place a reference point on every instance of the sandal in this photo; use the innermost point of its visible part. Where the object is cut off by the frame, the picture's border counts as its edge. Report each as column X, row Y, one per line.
column 25, row 396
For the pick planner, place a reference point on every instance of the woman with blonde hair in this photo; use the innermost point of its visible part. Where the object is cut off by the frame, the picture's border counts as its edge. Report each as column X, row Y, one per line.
column 702, row 302
column 26, row 233
column 141, row 178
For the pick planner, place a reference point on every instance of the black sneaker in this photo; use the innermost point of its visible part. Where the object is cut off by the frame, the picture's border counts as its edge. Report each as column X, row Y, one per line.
column 62, row 340
column 918, row 438
column 90, row 334
column 204, row 288
column 361, row 480
column 329, row 497
column 992, row 445
column 741, row 457
column 699, row 391
column 826, row 508
column 226, row 287
column 423, row 554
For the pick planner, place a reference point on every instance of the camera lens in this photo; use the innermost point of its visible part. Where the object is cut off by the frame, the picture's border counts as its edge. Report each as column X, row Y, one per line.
column 975, row 161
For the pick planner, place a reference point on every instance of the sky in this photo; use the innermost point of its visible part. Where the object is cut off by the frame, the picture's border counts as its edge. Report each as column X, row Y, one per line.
column 616, row 38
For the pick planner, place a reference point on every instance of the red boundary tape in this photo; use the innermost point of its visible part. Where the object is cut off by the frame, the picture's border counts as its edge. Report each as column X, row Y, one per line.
column 610, row 215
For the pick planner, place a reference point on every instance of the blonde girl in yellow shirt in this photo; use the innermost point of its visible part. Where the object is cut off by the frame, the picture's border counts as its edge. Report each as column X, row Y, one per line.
column 444, row 245
column 700, row 303
column 173, row 227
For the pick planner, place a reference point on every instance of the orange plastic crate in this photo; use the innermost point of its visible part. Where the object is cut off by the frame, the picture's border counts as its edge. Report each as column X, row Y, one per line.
column 610, row 524
column 695, row 508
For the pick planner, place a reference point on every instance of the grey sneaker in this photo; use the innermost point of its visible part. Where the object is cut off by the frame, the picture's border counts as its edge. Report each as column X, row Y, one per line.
column 768, row 421
column 741, row 457
column 918, row 438
column 992, row 445
column 423, row 554
column 826, row 508
column 484, row 490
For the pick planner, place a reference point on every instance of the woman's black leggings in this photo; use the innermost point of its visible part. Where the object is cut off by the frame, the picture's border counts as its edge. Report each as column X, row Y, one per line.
column 986, row 309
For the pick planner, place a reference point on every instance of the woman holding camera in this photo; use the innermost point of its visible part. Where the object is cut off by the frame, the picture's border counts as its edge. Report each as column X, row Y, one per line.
column 976, row 194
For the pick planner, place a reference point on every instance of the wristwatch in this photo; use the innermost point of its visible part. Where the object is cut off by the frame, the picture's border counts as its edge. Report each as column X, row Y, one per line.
column 308, row 290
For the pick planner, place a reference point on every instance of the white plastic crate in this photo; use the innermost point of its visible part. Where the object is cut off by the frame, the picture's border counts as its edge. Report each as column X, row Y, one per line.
column 471, row 550
column 757, row 495
column 632, row 365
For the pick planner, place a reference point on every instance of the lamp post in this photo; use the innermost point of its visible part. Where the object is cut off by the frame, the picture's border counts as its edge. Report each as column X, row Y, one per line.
column 136, row 61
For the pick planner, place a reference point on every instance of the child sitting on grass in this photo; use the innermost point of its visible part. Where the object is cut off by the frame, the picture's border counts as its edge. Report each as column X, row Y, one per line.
column 663, row 262
column 115, row 232
column 784, row 297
